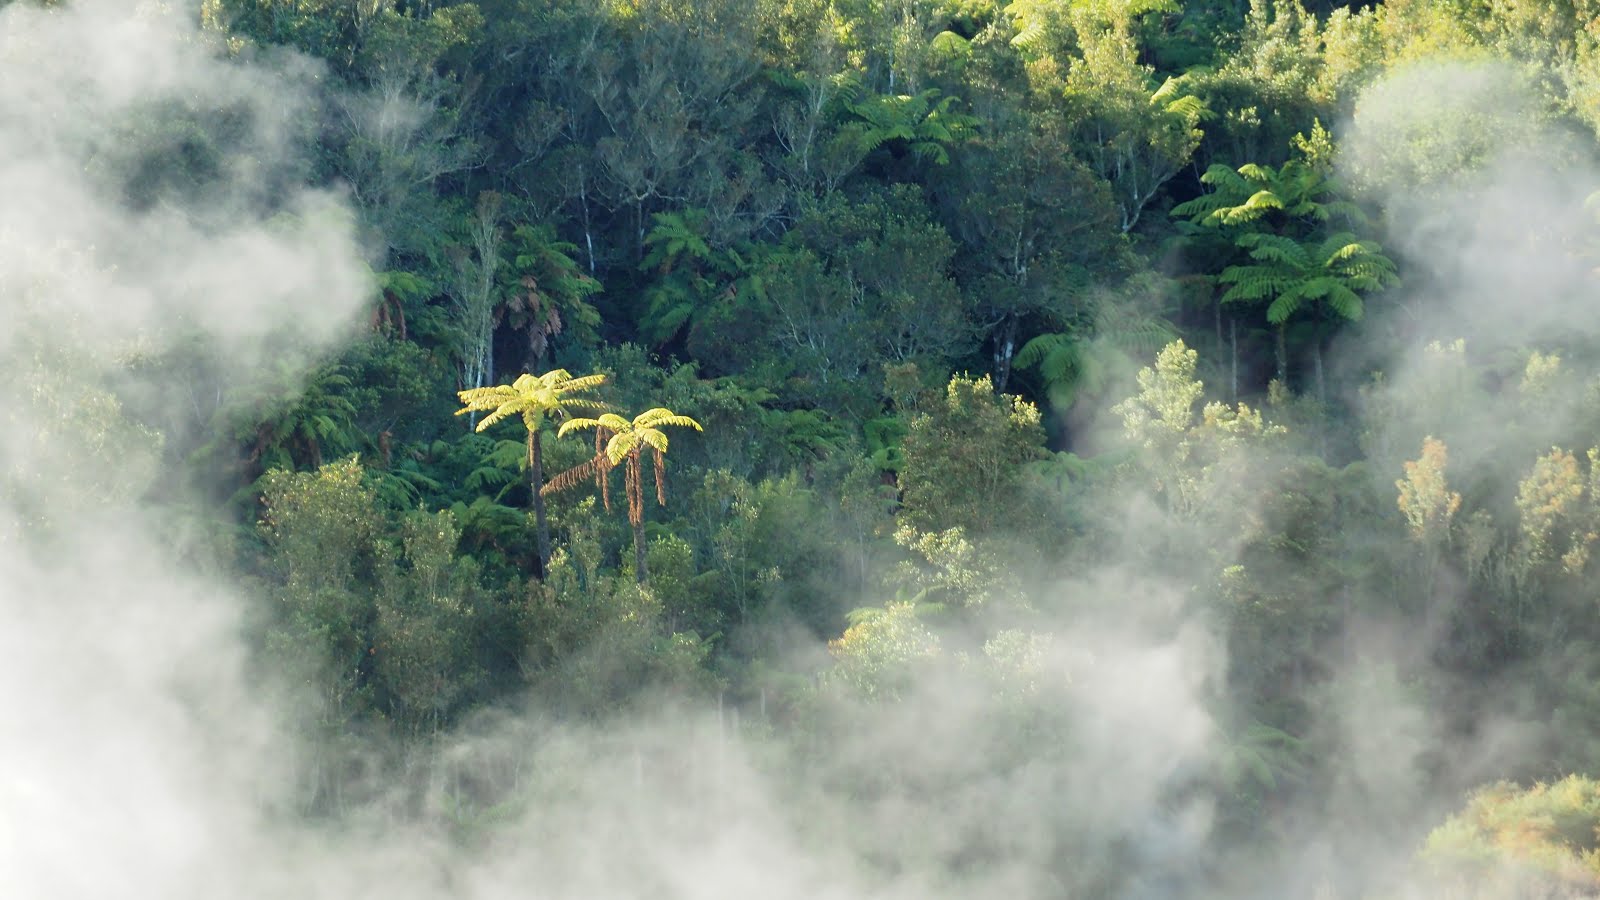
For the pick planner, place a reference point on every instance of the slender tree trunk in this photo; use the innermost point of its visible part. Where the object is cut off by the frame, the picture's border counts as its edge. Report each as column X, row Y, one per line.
column 536, row 482
column 636, row 513
column 1233, row 349
column 1283, row 353
column 1005, row 349
column 1316, row 366
column 1318, row 331
column 638, row 550
column 588, row 232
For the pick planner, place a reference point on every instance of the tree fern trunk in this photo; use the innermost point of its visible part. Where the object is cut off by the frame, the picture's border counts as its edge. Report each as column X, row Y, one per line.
column 1316, row 364
column 536, row 482
column 1316, row 356
column 636, row 513
column 1283, row 354
column 638, row 550
column 1233, row 349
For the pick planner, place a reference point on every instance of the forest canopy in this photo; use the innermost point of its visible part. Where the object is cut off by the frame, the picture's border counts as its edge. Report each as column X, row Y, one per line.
column 942, row 410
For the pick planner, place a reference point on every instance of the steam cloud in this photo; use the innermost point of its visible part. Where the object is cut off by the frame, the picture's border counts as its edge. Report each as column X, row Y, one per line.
column 149, row 204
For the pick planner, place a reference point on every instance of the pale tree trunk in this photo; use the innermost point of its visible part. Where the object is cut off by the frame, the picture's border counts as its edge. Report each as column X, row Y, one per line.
column 1005, row 350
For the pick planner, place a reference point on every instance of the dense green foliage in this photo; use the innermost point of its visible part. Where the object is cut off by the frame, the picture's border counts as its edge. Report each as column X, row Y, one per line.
column 894, row 267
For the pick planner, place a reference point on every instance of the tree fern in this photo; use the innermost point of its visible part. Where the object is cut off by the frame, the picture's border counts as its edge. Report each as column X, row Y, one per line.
column 622, row 442
column 1277, row 218
column 533, row 398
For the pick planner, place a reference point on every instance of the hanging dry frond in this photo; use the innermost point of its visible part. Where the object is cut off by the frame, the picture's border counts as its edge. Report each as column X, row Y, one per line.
column 661, row 478
column 575, row 475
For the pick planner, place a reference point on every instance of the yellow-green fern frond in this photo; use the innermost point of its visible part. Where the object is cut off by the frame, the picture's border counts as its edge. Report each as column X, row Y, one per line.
column 659, row 416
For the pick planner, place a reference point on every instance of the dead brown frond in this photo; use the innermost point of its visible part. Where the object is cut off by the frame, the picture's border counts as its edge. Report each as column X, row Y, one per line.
column 601, row 435
column 578, row 473
column 661, row 478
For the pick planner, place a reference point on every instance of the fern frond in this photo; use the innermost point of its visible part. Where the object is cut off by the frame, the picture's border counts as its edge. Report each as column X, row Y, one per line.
column 586, row 383
column 480, row 399
column 488, row 476
column 1250, row 286
column 1200, row 207
column 504, row 411
column 1345, row 302
column 1222, row 177
column 581, row 403
column 1257, row 173
column 1285, row 306
column 1030, row 35
column 654, row 418
column 1346, row 210
column 610, row 421
column 1263, row 200
column 1272, row 248
column 657, row 440
column 948, row 43
column 621, row 446
column 1037, row 348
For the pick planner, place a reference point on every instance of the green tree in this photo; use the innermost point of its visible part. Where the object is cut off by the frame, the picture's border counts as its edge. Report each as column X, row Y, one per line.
column 861, row 284
column 424, row 629
column 323, row 532
column 964, row 452
column 1135, row 133
column 1180, row 452
column 698, row 290
column 619, row 440
column 877, row 656
column 533, row 398
column 1033, row 221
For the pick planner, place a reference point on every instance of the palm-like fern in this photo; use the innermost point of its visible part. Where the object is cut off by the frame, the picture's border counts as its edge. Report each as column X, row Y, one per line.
column 926, row 123
column 1244, row 196
column 617, row 441
column 533, row 398
column 1289, row 274
column 1278, row 218
column 692, row 276
column 549, row 291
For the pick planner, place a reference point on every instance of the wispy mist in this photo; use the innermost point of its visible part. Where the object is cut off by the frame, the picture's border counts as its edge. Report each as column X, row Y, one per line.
column 150, row 204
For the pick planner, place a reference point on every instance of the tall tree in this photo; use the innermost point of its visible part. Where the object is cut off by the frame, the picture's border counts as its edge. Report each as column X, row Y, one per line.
column 964, row 453
column 1278, row 218
column 618, row 440
column 534, row 398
